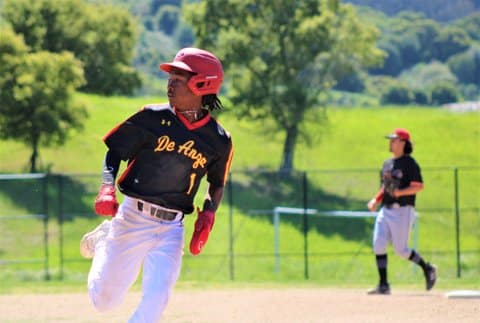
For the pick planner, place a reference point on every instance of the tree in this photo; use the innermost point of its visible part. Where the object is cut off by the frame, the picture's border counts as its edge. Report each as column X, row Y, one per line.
column 156, row 5
column 425, row 75
column 408, row 39
column 470, row 24
column 426, row 31
column 450, row 41
column 466, row 66
column 108, row 50
column 184, row 36
column 167, row 19
column 35, row 95
column 393, row 64
column 410, row 49
column 354, row 82
column 441, row 10
column 281, row 54
column 152, row 48
column 101, row 36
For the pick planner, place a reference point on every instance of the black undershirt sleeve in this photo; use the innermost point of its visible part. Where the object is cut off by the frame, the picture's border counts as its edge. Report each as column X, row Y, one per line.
column 111, row 166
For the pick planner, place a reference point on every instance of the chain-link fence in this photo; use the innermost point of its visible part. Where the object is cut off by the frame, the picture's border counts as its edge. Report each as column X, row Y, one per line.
column 299, row 225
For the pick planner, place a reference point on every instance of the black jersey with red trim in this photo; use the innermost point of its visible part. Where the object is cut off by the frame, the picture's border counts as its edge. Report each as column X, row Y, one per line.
column 399, row 173
column 168, row 156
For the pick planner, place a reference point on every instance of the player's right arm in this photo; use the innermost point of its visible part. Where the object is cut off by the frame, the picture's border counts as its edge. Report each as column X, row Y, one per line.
column 106, row 202
column 111, row 166
column 376, row 200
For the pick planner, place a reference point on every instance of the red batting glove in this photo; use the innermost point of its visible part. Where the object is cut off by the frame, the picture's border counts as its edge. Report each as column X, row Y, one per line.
column 203, row 226
column 106, row 203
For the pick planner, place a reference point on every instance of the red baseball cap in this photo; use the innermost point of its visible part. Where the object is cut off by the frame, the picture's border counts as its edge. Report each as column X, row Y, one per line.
column 399, row 133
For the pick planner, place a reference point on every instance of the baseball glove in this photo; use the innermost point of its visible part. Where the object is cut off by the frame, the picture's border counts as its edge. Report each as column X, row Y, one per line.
column 203, row 226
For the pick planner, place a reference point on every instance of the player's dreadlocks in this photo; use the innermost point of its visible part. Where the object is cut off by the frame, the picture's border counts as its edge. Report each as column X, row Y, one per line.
column 211, row 102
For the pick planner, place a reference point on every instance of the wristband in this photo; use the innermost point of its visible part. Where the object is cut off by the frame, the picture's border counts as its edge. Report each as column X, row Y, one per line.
column 378, row 198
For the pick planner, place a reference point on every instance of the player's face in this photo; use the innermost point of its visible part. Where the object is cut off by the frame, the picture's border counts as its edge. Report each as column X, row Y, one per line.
column 179, row 94
column 396, row 146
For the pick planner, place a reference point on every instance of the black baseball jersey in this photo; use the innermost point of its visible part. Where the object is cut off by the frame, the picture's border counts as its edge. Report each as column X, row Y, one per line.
column 399, row 173
column 168, row 156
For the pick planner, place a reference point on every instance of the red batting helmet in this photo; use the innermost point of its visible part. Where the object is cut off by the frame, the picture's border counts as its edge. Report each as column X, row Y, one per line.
column 206, row 67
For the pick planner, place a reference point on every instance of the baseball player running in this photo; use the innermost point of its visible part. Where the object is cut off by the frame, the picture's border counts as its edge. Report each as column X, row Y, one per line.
column 169, row 148
column 401, row 181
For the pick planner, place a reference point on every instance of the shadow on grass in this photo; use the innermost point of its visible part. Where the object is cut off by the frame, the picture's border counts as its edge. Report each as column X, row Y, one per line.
column 257, row 194
column 69, row 196
column 254, row 193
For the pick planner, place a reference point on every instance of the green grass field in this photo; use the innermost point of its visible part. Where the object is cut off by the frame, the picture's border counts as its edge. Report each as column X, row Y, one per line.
column 339, row 250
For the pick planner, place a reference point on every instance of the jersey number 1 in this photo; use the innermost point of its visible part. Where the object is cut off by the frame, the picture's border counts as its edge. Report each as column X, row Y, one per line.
column 192, row 182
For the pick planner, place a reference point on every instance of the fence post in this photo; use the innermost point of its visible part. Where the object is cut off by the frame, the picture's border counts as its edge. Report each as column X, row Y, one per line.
column 305, row 223
column 276, row 239
column 457, row 222
column 60, row 222
column 45, row 225
column 230, row 222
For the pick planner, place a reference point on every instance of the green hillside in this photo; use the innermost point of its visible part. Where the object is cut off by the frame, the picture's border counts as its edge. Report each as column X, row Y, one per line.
column 339, row 249
column 351, row 134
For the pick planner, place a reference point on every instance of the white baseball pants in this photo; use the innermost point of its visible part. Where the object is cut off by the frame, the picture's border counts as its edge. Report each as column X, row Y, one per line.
column 135, row 238
column 393, row 225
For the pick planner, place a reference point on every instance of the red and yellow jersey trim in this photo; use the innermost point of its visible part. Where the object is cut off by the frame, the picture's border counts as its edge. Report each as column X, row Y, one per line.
column 227, row 167
column 193, row 125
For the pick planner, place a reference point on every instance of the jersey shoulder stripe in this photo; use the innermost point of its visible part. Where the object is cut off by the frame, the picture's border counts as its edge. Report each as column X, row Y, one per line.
column 157, row 107
column 221, row 130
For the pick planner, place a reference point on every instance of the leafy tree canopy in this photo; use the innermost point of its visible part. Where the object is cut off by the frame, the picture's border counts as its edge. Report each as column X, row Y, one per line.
column 280, row 55
column 471, row 25
column 439, row 10
column 451, row 41
column 426, row 75
column 102, row 37
column 35, row 91
column 466, row 66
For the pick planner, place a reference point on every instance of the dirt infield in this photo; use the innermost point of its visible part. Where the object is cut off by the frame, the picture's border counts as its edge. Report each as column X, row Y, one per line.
column 253, row 305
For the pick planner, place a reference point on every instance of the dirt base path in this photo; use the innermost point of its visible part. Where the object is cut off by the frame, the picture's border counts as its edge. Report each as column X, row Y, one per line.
column 253, row 305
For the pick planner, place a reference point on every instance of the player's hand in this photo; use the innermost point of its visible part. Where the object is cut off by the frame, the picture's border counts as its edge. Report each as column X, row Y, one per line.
column 203, row 226
column 372, row 205
column 106, row 202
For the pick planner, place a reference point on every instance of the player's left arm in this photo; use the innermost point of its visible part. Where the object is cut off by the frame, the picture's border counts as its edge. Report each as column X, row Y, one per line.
column 205, row 218
column 213, row 197
column 412, row 189
column 217, row 178
column 416, row 182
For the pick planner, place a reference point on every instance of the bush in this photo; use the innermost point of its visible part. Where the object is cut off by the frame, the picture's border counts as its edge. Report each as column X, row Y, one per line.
column 397, row 94
column 470, row 92
column 420, row 97
column 443, row 93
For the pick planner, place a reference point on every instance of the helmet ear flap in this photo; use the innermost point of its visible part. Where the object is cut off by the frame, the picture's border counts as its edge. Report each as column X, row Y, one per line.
column 201, row 85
